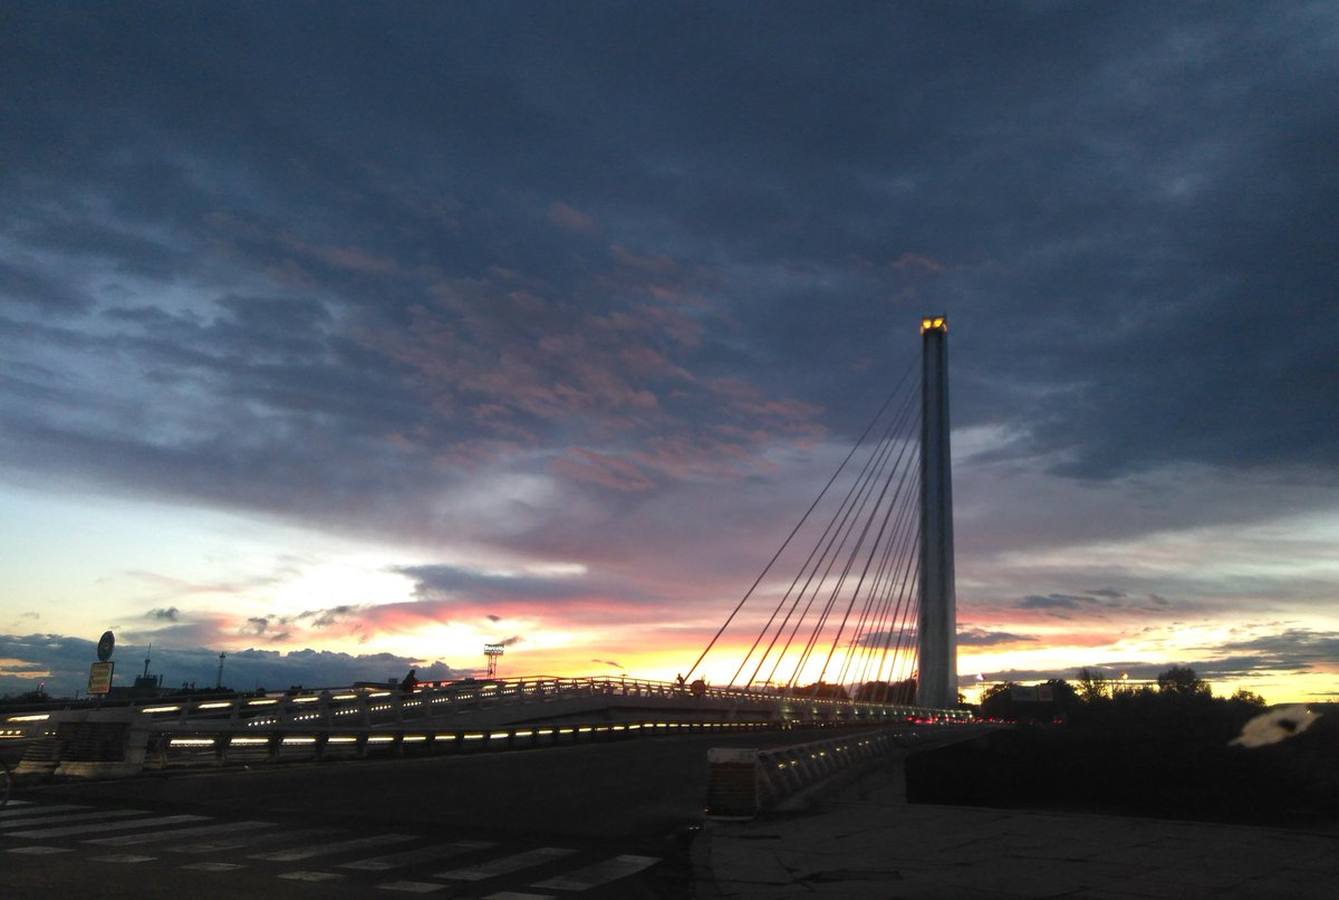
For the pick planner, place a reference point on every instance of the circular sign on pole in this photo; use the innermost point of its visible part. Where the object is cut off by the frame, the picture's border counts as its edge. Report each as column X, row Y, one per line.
column 106, row 644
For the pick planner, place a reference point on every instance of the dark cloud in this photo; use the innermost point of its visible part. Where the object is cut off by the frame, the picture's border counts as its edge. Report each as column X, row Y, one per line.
column 66, row 660
column 607, row 662
column 165, row 614
column 511, row 641
column 324, row 618
column 1054, row 601
column 1293, row 650
column 978, row 637
column 255, row 625
column 406, row 268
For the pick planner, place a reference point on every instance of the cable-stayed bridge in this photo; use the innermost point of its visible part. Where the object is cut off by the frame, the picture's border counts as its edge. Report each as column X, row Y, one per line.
column 850, row 623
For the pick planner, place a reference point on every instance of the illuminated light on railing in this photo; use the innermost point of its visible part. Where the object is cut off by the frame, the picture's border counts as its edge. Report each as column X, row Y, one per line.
column 379, row 694
column 602, row 728
column 299, row 740
column 191, row 742
column 37, row 717
column 414, row 738
column 446, row 737
column 543, row 731
column 247, row 742
column 380, row 739
column 495, row 735
column 634, row 727
column 217, row 704
column 617, row 728
column 261, row 702
column 525, row 734
column 345, row 697
column 158, row 709
column 474, row 737
column 305, row 699
column 564, row 731
column 341, row 739
column 583, row 729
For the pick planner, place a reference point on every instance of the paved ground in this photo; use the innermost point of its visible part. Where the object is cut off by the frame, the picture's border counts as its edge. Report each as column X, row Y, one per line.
column 868, row 843
column 594, row 821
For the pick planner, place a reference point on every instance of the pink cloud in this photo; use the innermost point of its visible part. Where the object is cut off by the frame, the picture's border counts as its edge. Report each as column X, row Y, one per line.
column 571, row 219
column 602, row 469
column 915, row 262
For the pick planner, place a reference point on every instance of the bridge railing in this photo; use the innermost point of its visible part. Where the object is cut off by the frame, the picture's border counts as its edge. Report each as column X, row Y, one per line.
column 368, row 706
column 202, row 747
column 743, row 781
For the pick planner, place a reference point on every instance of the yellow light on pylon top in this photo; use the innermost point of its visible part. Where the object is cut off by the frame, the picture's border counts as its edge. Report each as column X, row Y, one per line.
column 935, row 323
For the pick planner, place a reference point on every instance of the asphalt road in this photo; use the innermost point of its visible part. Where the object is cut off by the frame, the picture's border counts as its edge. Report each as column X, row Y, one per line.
column 572, row 808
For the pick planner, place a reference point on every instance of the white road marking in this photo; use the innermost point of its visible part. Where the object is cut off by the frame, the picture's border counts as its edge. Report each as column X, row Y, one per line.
column 122, row 858
column 8, row 813
column 248, row 840
column 19, row 803
column 506, row 864
column 213, row 866
column 104, row 826
column 599, row 873
column 421, row 854
column 40, row 851
column 77, row 817
column 412, row 887
column 167, row 834
column 311, row 876
column 337, row 847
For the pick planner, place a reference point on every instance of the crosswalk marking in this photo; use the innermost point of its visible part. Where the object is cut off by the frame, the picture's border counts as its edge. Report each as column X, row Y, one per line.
column 599, row 873
column 167, row 834
column 30, row 809
column 40, row 851
column 122, row 858
column 248, row 840
column 412, row 887
column 506, row 864
column 339, row 846
column 77, row 817
column 104, row 826
column 311, row 876
column 213, row 866
column 421, row 854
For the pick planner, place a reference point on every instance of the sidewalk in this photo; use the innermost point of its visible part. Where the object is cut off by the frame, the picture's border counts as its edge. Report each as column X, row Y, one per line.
column 867, row 842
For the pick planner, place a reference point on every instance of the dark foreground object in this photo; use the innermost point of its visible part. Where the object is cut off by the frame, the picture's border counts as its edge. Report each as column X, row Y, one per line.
column 1178, row 767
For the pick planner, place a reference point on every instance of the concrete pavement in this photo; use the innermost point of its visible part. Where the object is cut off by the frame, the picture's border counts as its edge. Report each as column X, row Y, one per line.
column 867, row 842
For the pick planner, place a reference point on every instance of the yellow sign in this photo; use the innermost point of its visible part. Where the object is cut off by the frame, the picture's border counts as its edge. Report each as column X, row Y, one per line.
column 100, row 677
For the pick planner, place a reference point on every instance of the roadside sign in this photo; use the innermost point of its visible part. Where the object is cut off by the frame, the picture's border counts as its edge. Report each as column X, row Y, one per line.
column 100, row 677
column 106, row 644
column 1026, row 693
column 1046, row 693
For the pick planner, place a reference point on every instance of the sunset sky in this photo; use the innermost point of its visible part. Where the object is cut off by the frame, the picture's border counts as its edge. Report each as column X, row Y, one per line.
column 348, row 337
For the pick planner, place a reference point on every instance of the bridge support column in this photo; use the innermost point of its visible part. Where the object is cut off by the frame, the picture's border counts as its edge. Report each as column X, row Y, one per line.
column 937, row 685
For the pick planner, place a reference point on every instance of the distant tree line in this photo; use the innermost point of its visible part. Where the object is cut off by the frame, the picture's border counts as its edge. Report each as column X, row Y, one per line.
column 1095, row 695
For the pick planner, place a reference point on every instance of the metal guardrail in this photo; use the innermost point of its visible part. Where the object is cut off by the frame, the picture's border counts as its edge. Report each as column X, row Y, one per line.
column 743, row 782
column 176, row 750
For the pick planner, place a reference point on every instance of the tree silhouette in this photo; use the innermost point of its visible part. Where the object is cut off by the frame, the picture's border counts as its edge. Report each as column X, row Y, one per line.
column 898, row 692
column 1181, row 681
column 1092, row 685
